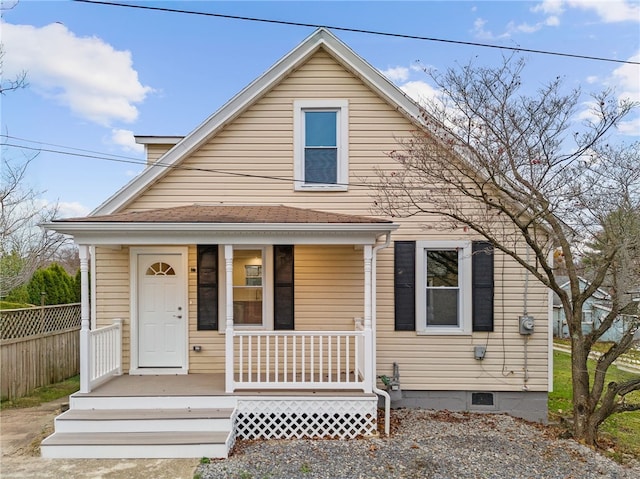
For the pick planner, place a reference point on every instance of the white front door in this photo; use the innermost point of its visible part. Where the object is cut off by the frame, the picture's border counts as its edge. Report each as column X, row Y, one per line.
column 161, row 311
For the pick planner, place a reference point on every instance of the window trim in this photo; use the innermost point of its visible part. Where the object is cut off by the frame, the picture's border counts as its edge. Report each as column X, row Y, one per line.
column 342, row 143
column 587, row 316
column 267, row 290
column 465, row 285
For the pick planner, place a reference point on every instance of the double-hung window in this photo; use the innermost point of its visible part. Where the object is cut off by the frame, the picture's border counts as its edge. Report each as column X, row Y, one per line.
column 443, row 287
column 321, row 144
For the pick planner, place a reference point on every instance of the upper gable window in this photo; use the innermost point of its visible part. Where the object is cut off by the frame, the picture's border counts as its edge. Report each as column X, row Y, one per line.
column 321, row 138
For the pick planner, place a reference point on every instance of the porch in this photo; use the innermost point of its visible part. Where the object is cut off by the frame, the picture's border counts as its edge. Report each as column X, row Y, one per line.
column 192, row 416
column 289, row 364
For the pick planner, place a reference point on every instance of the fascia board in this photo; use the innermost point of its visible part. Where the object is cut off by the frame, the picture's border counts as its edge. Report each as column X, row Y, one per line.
column 73, row 227
column 190, row 233
column 602, row 293
column 157, row 140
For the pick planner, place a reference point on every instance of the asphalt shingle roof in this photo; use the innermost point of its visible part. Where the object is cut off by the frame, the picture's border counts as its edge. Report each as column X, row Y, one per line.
column 231, row 214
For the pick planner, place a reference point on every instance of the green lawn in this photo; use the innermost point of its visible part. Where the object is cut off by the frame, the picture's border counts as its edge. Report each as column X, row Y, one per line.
column 8, row 305
column 601, row 347
column 44, row 394
column 623, row 429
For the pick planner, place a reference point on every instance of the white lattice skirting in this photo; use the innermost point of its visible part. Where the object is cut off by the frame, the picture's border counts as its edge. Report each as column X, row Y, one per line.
column 345, row 418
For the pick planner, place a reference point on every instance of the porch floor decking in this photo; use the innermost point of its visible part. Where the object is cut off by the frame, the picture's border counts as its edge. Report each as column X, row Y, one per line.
column 194, row 385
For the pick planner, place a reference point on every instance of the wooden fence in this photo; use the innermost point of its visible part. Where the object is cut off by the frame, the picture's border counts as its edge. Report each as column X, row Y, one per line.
column 38, row 347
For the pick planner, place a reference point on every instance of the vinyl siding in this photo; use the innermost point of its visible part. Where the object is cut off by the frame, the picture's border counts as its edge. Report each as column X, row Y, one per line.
column 113, row 293
column 156, row 151
column 211, row 358
column 328, row 280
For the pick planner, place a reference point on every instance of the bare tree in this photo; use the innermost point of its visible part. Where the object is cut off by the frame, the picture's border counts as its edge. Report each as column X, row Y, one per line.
column 20, row 79
column 68, row 257
column 10, row 84
column 519, row 170
column 24, row 246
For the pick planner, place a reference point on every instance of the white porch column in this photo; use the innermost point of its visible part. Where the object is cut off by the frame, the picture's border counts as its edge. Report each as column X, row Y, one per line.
column 85, row 346
column 228, row 261
column 368, row 335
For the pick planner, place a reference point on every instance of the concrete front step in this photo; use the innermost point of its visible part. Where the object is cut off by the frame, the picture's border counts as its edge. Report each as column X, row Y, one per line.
column 167, row 444
column 144, row 420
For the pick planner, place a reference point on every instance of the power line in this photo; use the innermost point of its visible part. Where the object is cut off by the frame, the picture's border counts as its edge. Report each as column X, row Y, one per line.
column 134, row 161
column 358, row 30
column 61, row 146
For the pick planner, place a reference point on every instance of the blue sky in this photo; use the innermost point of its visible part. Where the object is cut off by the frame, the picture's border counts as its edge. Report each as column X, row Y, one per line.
column 100, row 74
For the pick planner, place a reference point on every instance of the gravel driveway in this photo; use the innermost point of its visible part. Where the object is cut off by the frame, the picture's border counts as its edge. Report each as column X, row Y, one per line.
column 425, row 444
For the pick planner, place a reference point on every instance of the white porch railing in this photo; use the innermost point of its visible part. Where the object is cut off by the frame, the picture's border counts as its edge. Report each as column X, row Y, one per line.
column 301, row 360
column 362, row 350
column 104, row 358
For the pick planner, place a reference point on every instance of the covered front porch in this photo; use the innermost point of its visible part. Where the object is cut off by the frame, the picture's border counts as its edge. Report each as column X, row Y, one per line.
column 283, row 364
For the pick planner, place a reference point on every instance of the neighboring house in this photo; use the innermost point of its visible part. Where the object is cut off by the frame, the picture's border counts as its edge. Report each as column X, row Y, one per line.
column 254, row 294
column 595, row 309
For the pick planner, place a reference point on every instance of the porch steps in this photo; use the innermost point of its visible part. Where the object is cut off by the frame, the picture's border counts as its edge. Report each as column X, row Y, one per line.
column 140, row 433
column 120, row 402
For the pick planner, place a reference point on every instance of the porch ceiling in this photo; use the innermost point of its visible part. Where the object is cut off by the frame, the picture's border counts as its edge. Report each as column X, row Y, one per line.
column 239, row 224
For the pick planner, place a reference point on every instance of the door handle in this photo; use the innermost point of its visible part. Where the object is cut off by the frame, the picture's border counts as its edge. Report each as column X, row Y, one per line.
column 179, row 316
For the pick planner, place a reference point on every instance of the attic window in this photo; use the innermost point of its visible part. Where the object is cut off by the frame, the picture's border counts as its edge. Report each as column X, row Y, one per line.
column 321, row 145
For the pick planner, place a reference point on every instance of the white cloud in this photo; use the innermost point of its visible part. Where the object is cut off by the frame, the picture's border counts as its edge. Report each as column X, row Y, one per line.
column 592, row 79
column 552, row 21
column 588, row 112
column 630, row 127
column 523, row 27
column 126, row 140
column 479, row 30
column 553, row 7
column 420, row 91
column 396, row 74
column 65, row 209
column 626, row 79
column 72, row 210
column 611, row 11
column 608, row 12
column 85, row 74
column 512, row 27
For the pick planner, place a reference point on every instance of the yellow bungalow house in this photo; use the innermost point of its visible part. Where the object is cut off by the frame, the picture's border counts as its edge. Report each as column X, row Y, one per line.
column 243, row 287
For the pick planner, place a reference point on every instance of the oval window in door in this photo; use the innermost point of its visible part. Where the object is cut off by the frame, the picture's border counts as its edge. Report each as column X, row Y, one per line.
column 160, row 269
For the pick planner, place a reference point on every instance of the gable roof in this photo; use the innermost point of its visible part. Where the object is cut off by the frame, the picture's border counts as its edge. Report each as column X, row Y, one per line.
column 598, row 295
column 321, row 38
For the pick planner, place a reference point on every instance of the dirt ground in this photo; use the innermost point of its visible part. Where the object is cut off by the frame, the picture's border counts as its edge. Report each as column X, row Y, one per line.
column 21, row 431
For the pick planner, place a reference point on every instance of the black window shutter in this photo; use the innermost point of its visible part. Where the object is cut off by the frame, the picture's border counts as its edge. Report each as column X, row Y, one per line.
column 283, row 312
column 482, row 296
column 404, row 285
column 207, row 287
